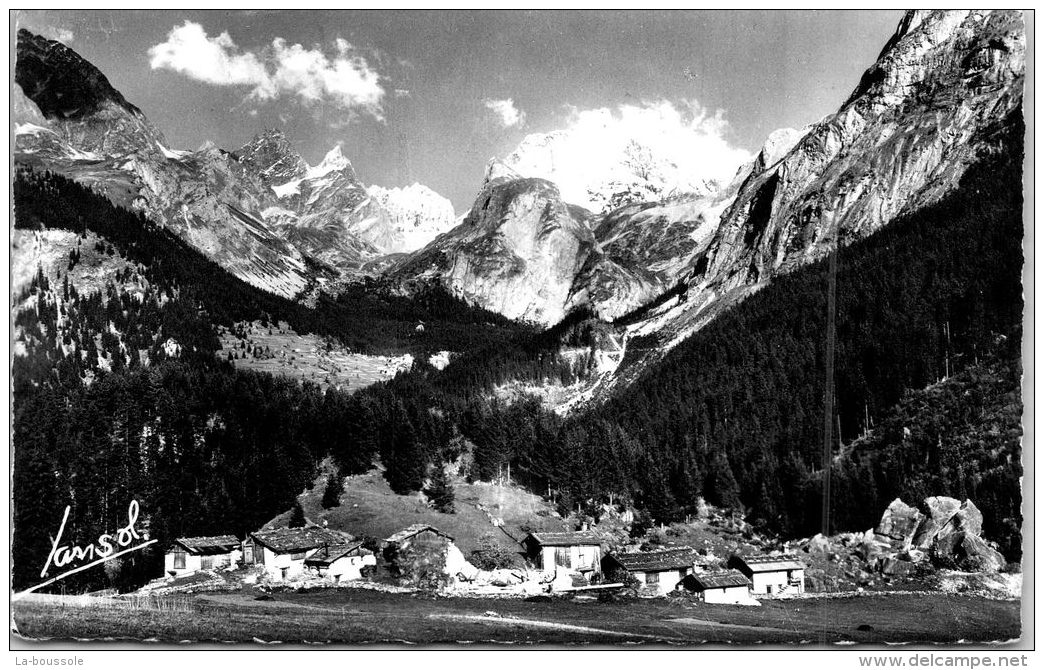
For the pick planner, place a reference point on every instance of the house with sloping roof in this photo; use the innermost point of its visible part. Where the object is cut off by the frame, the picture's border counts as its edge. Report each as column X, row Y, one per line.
column 424, row 556
column 772, row 574
column 340, row 562
column 578, row 551
column 282, row 551
column 408, row 533
column 659, row 572
column 192, row 554
column 722, row 587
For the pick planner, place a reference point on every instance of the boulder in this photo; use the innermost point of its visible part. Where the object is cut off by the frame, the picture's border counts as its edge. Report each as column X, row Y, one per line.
column 819, row 544
column 926, row 534
column 942, row 508
column 900, row 522
column 977, row 556
column 966, row 551
column 895, row 567
column 967, row 519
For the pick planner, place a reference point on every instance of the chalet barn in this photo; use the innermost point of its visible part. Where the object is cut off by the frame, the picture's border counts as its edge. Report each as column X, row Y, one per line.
column 282, row 551
column 579, row 551
column 418, row 533
column 727, row 587
column 192, row 554
column 340, row 562
column 772, row 574
column 659, row 572
column 423, row 555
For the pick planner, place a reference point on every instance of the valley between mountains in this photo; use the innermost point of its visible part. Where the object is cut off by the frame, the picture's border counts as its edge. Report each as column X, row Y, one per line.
column 219, row 332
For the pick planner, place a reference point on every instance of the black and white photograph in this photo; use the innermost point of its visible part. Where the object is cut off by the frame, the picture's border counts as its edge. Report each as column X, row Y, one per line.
column 523, row 329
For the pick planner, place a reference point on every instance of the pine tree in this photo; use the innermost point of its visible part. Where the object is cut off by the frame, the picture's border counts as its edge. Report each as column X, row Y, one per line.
column 297, row 517
column 440, row 492
column 332, row 493
column 406, row 463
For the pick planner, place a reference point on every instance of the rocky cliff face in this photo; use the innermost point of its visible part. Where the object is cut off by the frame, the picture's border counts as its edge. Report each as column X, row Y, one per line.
column 85, row 109
column 272, row 157
column 86, row 130
column 920, row 115
column 261, row 212
column 328, row 212
column 517, row 251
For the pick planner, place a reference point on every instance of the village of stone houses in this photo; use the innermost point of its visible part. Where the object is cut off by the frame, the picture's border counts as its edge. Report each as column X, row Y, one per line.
column 503, row 558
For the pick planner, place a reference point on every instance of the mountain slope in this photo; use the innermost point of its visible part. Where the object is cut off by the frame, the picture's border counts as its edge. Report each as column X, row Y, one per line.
column 516, row 252
column 95, row 136
column 933, row 102
column 261, row 212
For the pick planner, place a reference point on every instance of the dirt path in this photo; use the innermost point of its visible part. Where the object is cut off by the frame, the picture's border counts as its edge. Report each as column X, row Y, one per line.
column 732, row 626
column 548, row 625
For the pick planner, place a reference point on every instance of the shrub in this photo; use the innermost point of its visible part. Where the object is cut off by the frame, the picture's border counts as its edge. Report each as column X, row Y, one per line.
column 490, row 555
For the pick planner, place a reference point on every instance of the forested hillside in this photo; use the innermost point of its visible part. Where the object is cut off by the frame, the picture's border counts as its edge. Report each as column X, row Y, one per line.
column 106, row 411
column 735, row 412
column 119, row 394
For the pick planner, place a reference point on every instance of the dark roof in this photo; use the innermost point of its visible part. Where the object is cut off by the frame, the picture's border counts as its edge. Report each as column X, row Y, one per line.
column 664, row 559
column 216, row 544
column 290, row 540
column 327, row 555
column 570, row 539
column 768, row 563
column 416, row 529
column 718, row 580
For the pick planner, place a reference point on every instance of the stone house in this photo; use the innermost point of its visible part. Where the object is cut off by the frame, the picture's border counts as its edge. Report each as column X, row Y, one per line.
column 283, row 551
column 770, row 575
column 577, row 551
column 658, row 572
column 192, row 554
column 340, row 562
column 424, row 556
column 728, row 587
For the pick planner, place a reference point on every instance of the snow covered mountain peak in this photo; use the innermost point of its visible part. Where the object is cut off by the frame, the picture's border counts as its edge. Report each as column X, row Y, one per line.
column 333, row 161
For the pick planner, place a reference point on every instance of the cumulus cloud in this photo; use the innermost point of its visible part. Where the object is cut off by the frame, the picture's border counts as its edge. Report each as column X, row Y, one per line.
column 342, row 79
column 505, row 112
column 662, row 145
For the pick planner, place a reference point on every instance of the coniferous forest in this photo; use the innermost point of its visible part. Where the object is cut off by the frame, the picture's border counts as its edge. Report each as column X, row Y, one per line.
column 927, row 389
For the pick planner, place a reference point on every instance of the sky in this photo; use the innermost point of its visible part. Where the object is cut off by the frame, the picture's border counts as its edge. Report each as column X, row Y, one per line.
column 431, row 96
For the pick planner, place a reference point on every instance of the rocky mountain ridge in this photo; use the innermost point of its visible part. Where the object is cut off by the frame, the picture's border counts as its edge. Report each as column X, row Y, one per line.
column 923, row 112
column 920, row 115
column 261, row 212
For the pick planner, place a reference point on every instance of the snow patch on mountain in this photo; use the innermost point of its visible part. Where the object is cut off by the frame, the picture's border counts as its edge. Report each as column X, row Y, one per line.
column 417, row 214
column 609, row 158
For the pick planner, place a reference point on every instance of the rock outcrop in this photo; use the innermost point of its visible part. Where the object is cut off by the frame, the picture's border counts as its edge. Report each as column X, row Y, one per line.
column 950, row 536
column 517, row 251
column 899, row 523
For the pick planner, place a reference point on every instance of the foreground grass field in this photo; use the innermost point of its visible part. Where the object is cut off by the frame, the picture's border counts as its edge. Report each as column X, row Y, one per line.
column 356, row 616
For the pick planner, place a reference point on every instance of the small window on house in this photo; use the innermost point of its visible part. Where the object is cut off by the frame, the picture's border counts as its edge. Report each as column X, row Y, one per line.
column 562, row 557
column 248, row 554
column 207, row 562
column 652, row 578
column 179, row 559
column 297, row 555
